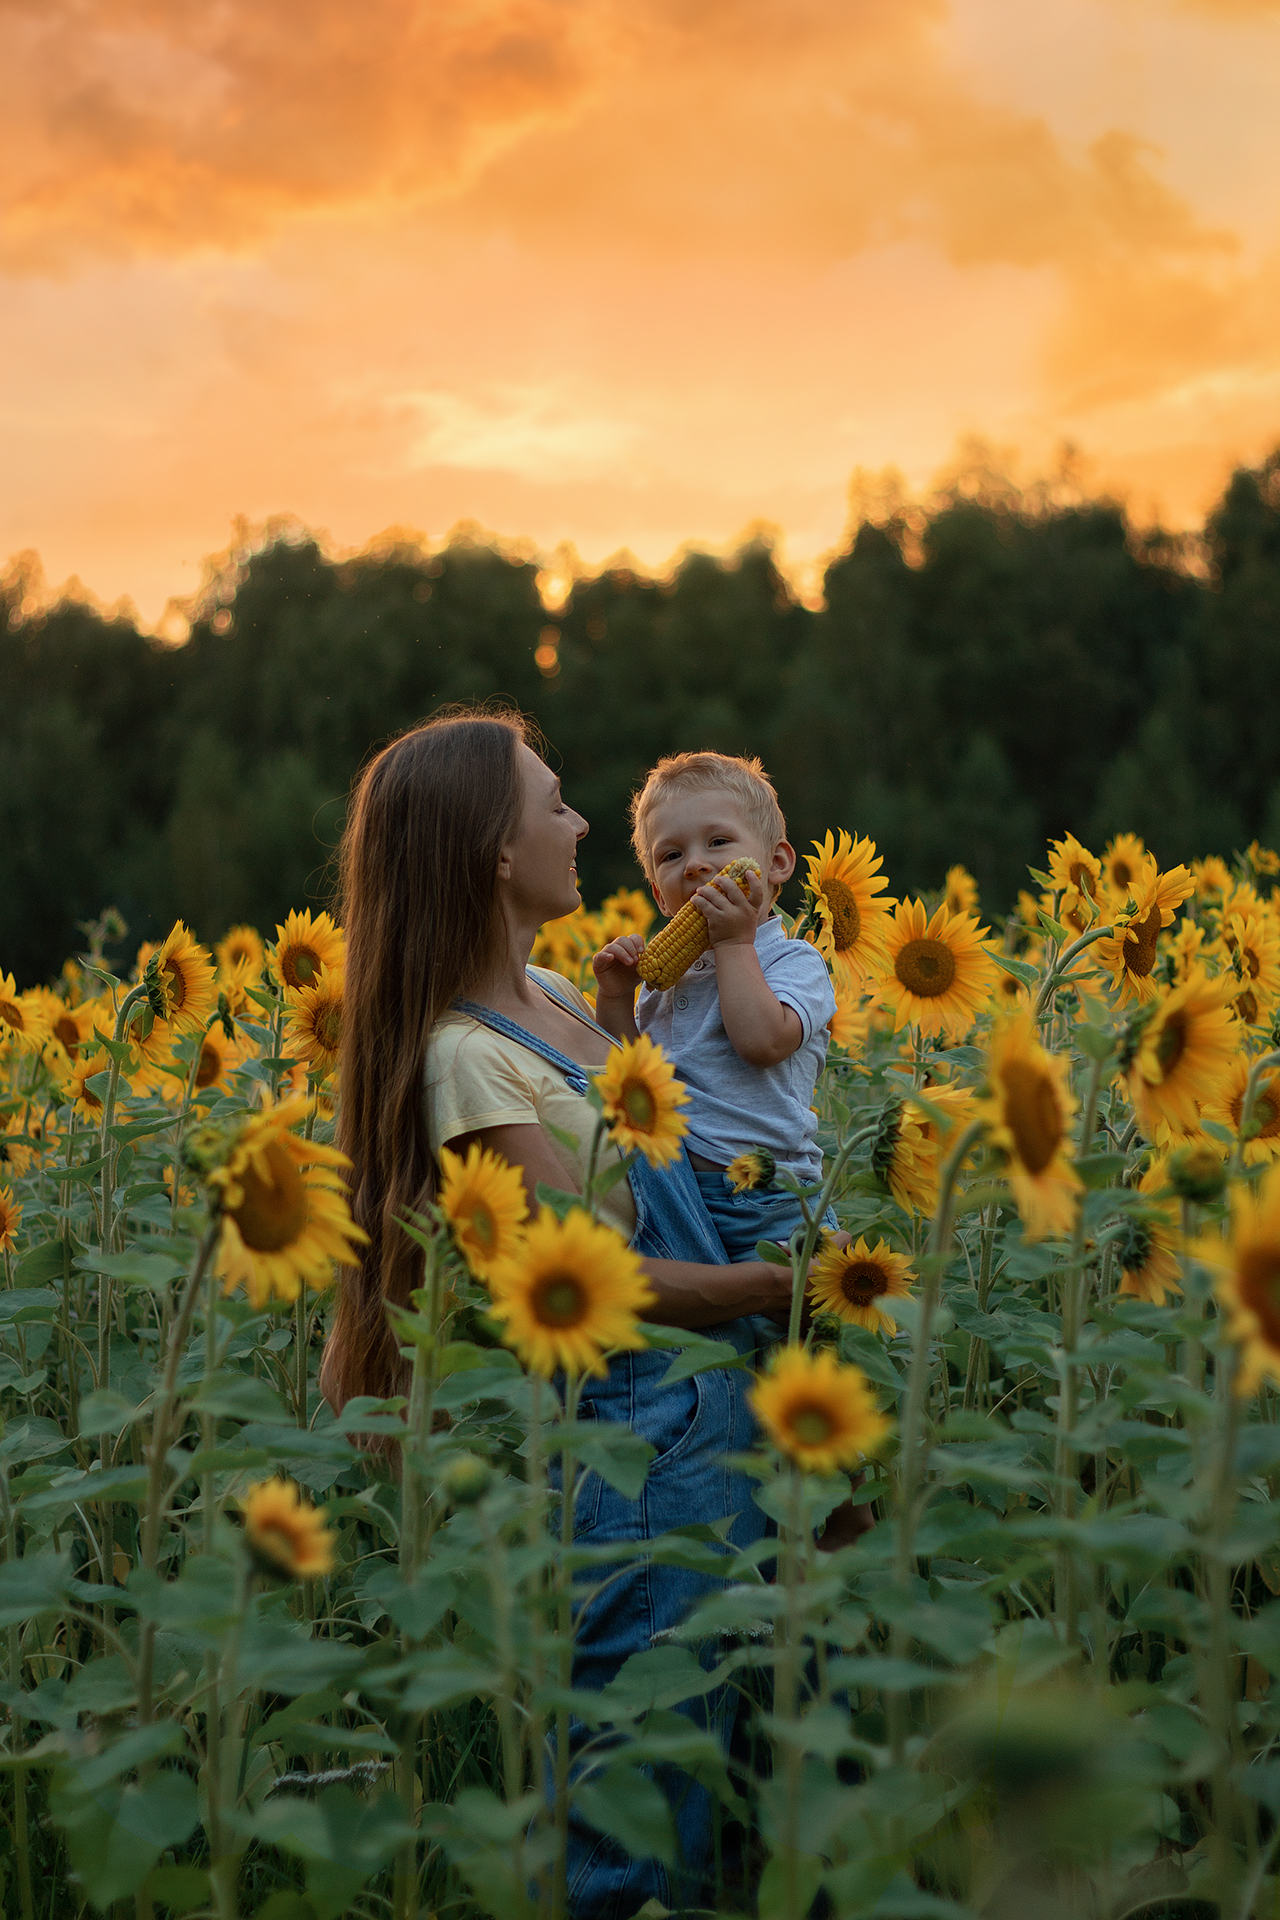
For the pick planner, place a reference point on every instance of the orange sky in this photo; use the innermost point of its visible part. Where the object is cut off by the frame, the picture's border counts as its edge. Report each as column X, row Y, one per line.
column 617, row 272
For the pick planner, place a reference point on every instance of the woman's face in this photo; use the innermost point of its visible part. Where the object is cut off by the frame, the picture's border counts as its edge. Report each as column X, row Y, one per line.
column 538, row 866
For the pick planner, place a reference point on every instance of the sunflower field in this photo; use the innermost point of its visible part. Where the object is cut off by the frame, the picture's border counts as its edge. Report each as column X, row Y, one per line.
column 1012, row 1644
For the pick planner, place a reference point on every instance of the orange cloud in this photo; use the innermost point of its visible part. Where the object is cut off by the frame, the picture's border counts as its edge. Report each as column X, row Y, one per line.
column 139, row 125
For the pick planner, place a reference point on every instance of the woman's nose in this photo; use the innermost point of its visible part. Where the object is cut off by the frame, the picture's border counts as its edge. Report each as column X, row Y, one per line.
column 583, row 827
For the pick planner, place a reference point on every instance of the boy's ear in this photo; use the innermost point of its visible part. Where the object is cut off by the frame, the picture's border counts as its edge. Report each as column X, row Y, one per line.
column 782, row 865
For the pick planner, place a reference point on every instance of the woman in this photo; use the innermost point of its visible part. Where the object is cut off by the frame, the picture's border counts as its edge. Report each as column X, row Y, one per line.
column 458, row 848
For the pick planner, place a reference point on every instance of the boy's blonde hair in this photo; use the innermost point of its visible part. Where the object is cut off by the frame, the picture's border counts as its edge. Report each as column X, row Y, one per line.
column 681, row 773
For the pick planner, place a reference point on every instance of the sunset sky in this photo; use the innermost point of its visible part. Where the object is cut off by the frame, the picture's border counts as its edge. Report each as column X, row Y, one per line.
column 621, row 273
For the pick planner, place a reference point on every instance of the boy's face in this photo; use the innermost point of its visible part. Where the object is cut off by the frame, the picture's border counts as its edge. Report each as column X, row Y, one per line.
column 693, row 835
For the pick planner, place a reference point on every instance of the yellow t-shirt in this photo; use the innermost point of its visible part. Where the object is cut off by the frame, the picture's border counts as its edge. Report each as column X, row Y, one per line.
column 477, row 1078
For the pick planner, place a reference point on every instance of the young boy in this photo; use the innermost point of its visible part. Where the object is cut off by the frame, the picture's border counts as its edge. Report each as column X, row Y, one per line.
column 746, row 1026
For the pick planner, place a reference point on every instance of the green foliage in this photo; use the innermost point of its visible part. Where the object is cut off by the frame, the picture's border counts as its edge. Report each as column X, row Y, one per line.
column 971, row 687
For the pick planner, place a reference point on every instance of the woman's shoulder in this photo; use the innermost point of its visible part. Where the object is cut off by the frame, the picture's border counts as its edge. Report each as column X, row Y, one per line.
column 555, row 983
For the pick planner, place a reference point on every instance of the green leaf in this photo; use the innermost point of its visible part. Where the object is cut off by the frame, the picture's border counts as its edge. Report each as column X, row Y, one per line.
column 115, row 1838
column 416, row 1607
column 632, row 1809
column 444, row 1676
column 153, row 1271
column 656, row 1677
column 560, row 1203
column 105, row 1411
column 32, row 1585
column 569, row 1140
column 774, row 1900
column 770, row 1250
column 889, row 1673
column 237, row 1396
column 620, row 1457
column 606, row 1182
column 1093, row 1041
column 1100, row 1169
column 1045, row 880
column 704, row 1357
column 181, row 1889
column 32, row 1438
column 1028, row 976
column 286, row 1906
column 38, row 1267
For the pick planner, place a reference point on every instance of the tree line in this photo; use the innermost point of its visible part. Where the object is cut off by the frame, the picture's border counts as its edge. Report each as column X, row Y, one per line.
column 982, row 675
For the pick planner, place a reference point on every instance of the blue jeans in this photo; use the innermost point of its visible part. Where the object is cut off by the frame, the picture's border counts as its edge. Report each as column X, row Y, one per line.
column 741, row 1219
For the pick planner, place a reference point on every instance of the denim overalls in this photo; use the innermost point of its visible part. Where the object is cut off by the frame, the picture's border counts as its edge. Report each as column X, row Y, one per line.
column 691, row 1426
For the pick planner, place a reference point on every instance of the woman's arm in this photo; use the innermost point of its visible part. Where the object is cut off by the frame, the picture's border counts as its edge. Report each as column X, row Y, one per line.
column 688, row 1295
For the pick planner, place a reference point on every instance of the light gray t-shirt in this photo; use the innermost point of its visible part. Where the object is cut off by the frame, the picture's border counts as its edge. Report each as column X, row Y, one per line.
column 733, row 1106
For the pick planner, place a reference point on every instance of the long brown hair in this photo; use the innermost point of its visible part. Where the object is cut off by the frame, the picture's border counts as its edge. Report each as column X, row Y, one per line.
column 419, row 901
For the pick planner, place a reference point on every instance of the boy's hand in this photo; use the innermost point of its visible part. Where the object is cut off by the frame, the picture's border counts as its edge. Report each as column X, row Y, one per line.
column 732, row 916
column 615, row 966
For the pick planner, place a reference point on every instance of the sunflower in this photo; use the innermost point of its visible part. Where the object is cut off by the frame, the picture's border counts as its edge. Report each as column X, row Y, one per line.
column 960, row 893
column 938, row 972
column 24, row 1022
column 484, row 1201
column 1009, row 993
column 1186, row 947
column 1122, row 863
column 303, row 946
column 1252, row 940
column 851, row 1023
column 751, row 1171
column 286, row 1534
column 242, row 946
column 627, row 911
column 1240, row 896
column 1262, row 859
column 571, row 1295
column 909, row 1140
column 218, row 1059
column 1226, row 1105
column 1129, row 954
column 1212, row 877
column 854, row 1283
column 77, row 1093
column 1028, row 1106
column 1182, row 1056
column 69, row 1026
column 151, row 1043
column 186, row 974
column 28, row 1138
column 819, row 1412
column 842, row 882
column 640, row 1092
column 1248, row 1280
column 314, row 1032
column 1073, row 869
column 285, row 1218
column 1150, row 1241
column 10, row 1219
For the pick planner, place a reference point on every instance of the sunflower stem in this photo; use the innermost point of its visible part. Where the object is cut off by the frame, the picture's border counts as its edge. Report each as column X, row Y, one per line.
column 914, row 1443
column 162, row 1435
column 564, row 1640
column 1217, row 1702
column 803, row 1253
column 1057, row 966
column 787, row 1639
column 106, row 1192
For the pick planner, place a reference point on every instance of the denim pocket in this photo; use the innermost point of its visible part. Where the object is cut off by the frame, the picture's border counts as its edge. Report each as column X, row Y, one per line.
column 671, row 1421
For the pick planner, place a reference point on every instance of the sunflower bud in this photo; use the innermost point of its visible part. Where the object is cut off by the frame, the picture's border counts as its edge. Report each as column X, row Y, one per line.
column 751, row 1171
column 224, row 1014
column 885, row 1142
column 466, row 1480
column 1197, row 1173
column 206, row 1147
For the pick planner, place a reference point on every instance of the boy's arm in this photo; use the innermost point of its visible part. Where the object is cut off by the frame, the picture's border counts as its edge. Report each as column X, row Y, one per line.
column 616, row 981
column 761, row 1030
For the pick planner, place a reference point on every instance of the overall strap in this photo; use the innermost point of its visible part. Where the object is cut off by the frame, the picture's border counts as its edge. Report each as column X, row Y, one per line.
column 575, row 1075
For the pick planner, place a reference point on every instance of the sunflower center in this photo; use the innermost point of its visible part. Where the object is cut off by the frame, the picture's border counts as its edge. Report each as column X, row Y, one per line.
column 210, row 1065
column 1134, row 1246
column 1172, row 1043
column 68, row 1033
column 1252, row 962
column 1266, row 1114
column 1080, row 876
column 329, row 1029
column 11, row 1014
column 1031, row 1108
column 846, row 920
column 1121, row 872
column 1260, row 1288
column 1140, row 944
column 300, row 967
column 1247, row 1007
column 276, row 1542
column 482, row 1224
column 638, row 1103
column 274, row 1210
column 926, row 967
column 862, row 1282
column 811, row 1425
column 559, row 1300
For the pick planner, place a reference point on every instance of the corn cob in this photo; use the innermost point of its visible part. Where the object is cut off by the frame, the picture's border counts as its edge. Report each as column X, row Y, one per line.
column 673, row 951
